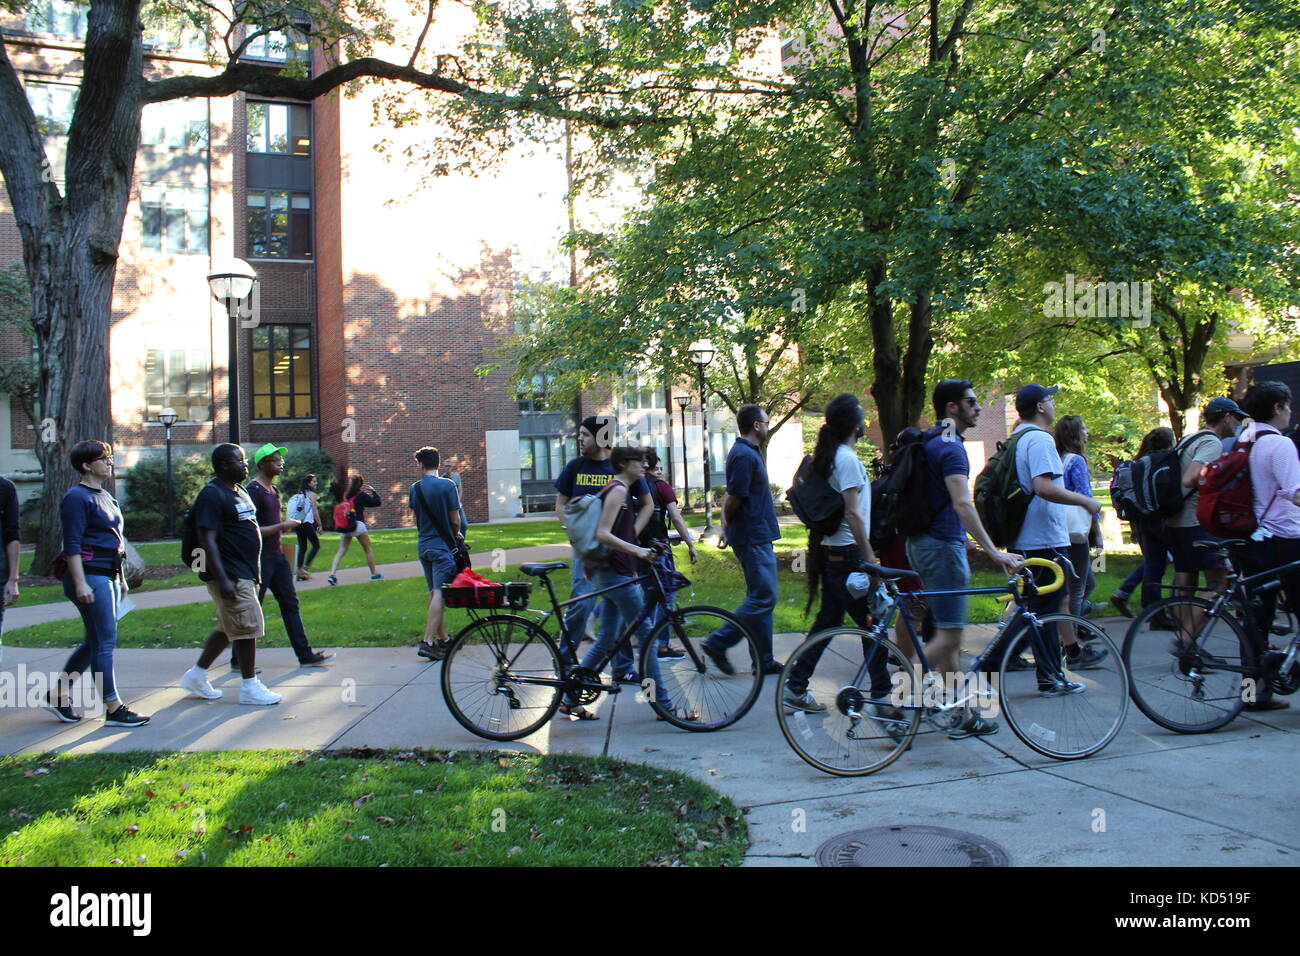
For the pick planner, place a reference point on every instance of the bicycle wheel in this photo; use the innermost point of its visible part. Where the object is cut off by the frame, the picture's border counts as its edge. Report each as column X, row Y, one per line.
column 481, row 677
column 1191, row 692
column 857, row 677
column 695, row 684
column 1044, row 705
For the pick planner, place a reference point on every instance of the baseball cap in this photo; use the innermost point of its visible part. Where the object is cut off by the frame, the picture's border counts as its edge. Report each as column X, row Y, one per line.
column 1224, row 404
column 270, row 448
column 1027, row 396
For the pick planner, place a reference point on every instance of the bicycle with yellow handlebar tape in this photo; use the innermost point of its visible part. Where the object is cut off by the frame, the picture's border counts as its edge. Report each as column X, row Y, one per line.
column 865, row 704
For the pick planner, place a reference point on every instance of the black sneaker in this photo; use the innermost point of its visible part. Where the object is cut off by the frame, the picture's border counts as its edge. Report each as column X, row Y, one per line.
column 1120, row 603
column 124, row 717
column 315, row 659
column 671, row 652
column 432, row 652
column 1021, row 663
column 772, row 667
column 64, row 712
column 719, row 658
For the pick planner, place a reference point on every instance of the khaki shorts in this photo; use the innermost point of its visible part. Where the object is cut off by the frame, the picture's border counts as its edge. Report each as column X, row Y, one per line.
column 240, row 619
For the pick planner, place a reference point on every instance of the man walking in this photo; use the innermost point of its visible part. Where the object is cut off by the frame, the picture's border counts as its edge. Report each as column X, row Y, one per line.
column 436, row 506
column 1046, row 534
column 9, row 536
column 277, row 575
column 938, row 554
column 586, row 475
column 230, row 552
column 749, row 526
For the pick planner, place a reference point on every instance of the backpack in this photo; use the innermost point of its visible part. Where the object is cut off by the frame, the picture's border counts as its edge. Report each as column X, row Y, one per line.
column 345, row 516
column 819, row 506
column 1121, row 492
column 297, row 507
column 900, row 497
column 999, row 499
column 581, row 521
column 656, row 528
column 1158, row 490
column 1226, row 507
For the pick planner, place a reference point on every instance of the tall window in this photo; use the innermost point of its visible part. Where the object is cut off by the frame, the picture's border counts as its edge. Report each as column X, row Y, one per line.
column 282, row 371
column 641, row 393
column 542, row 459
column 174, row 219
column 53, row 104
column 176, row 124
column 179, row 378
column 58, row 18
column 279, row 224
column 279, row 128
column 278, row 45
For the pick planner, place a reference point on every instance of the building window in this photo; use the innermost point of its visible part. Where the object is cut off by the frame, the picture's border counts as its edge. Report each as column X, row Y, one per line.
column 175, row 124
column 58, row 18
column 178, row 378
column 177, row 35
column 278, row 45
column 282, row 371
column 542, row 459
column 279, row 224
column 174, row 220
column 53, row 104
column 279, row 128
column 642, row 394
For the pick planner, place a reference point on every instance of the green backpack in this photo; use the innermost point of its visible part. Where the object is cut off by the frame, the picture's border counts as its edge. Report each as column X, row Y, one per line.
column 999, row 499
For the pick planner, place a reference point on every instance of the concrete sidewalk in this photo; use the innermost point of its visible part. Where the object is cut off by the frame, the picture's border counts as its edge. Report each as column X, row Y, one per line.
column 19, row 616
column 1152, row 798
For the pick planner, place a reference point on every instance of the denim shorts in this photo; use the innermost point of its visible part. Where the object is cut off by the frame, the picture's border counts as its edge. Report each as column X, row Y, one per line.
column 439, row 568
column 1189, row 559
column 942, row 566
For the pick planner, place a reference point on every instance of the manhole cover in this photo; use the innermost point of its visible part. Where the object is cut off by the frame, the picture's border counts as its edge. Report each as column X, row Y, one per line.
column 910, row 846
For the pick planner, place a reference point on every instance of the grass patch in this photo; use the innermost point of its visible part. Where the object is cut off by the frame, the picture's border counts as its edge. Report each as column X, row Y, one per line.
column 359, row 808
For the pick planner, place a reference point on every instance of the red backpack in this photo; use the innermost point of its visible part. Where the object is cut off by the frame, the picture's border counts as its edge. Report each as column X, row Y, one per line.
column 345, row 516
column 1226, row 507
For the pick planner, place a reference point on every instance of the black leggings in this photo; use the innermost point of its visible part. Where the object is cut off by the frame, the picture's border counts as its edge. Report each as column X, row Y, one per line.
column 306, row 533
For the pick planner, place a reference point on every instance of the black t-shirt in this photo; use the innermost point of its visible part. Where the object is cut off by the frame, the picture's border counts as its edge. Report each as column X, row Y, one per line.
column 267, row 502
column 232, row 515
column 582, row 477
column 363, row 501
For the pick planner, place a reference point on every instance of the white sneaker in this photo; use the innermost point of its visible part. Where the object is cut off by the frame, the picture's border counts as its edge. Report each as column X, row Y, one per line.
column 197, row 684
column 253, row 691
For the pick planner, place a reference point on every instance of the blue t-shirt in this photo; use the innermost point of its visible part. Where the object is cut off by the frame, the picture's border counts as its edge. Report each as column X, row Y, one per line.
column 945, row 455
column 1046, row 522
column 433, row 499
column 583, row 476
column 755, row 523
column 92, row 528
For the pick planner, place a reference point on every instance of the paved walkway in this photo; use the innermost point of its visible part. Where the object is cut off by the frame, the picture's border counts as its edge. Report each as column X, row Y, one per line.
column 1152, row 798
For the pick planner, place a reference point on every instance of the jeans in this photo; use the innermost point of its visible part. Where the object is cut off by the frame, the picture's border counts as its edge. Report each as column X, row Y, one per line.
column 575, row 618
column 277, row 576
column 1155, row 558
column 1131, row 582
column 307, row 534
column 622, row 608
column 1258, row 557
column 836, row 602
column 758, row 561
column 100, row 619
column 1082, row 582
column 665, row 564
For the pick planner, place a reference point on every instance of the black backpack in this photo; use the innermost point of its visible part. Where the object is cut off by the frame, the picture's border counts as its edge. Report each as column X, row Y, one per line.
column 815, row 502
column 189, row 537
column 900, row 497
column 1158, row 490
column 999, row 499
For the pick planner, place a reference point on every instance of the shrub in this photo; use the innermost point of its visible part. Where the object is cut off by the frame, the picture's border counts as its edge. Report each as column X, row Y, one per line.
column 29, row 519
column 146, row 485
column 143, row 525
column 312, row 461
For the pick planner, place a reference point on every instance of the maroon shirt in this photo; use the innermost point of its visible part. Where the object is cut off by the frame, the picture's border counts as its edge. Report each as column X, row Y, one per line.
column 267, row 503
column 624, row 528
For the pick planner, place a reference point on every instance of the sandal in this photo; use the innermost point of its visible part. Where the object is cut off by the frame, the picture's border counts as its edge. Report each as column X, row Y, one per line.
column 577, row 712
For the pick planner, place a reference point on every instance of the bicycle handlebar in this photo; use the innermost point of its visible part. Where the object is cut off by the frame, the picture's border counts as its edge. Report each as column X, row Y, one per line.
column 1058, row 576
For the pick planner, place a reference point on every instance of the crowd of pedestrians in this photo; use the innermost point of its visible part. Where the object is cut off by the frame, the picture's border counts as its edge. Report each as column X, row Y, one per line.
column 235, row 528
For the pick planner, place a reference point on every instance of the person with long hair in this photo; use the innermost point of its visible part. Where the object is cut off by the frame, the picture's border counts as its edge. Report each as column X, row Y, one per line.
column 1149, row 535
column 94, row 581
column 1071, row 436
column 359, row 496
column 305, row 507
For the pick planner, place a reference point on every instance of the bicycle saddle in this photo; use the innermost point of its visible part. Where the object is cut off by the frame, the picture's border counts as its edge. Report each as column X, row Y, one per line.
column 1218, row 545
column 536, row 569
column 889, row 574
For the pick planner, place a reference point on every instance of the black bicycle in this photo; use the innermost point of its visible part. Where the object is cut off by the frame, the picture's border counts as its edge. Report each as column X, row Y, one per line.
column 1194, row 663
column 504, row 675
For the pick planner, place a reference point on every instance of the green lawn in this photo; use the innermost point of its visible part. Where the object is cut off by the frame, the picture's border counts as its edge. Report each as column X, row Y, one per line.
column 389, row 613
column 358, row 808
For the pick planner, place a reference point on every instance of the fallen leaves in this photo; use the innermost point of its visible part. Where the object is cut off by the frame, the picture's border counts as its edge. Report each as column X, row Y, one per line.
column 362, row 800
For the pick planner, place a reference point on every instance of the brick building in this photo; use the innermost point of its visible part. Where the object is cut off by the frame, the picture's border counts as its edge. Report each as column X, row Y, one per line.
column 381, row 294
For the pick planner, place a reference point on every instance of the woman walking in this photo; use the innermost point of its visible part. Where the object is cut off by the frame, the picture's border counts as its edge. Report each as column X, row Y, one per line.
column 359, row 497
column 1149, row 534
column 94, row 581
column 305, row 507
column 1085, row 529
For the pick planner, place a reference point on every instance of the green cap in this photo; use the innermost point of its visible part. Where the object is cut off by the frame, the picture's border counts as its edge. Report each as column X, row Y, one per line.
column 266, row 451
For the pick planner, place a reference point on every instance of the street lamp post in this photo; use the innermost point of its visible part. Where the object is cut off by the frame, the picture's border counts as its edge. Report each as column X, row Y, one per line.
column 702, row 353
column 682, row 402
column 232, row 285
column 168, row 418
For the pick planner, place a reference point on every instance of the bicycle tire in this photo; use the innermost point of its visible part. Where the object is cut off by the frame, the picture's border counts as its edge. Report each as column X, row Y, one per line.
column 834, row 741
column 477, row 696
column 1171, row 693
column 1073, row 725
column 719, row 700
